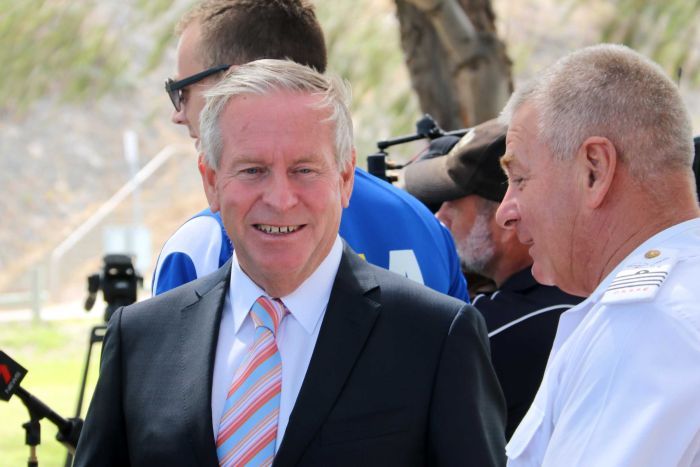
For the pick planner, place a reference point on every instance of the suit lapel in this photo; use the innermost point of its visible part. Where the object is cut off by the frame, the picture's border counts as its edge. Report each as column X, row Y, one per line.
column 349, row 318
column 199, row 332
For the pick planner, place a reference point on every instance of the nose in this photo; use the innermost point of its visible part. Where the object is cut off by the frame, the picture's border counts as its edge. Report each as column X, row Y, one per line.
column 507, row 215
column 280, row 193
column 178, row 116
column 443, row 214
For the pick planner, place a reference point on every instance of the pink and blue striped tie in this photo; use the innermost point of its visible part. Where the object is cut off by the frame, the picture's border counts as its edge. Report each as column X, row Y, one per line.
column 248, row 427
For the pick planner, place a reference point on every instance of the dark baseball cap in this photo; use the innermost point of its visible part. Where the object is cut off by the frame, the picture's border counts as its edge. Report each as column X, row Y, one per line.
column 471, row 167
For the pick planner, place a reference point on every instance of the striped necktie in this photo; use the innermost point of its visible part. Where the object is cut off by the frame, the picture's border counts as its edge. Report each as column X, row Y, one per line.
column 248, row 427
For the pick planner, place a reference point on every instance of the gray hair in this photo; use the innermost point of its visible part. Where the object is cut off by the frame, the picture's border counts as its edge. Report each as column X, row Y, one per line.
column 610, row 91
column 266, row 76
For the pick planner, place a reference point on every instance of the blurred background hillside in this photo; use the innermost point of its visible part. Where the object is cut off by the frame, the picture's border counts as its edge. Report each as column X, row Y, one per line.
column 83, row 110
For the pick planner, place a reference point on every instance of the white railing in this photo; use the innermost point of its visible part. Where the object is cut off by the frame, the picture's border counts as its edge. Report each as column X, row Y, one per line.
column 106, row 209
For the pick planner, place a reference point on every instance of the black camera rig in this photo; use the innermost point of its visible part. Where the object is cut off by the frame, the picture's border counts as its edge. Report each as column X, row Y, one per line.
column 426, row 128
column 119, row 282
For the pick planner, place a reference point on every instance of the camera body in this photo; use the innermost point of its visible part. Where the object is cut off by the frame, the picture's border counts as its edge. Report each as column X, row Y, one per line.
column 118, row 281
column 426, row 128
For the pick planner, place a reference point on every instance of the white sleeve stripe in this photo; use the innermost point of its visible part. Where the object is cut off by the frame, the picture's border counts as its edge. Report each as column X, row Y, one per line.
column 529, row 315
column 476, row 299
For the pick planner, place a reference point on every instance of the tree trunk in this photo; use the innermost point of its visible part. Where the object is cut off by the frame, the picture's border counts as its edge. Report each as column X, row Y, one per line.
column 458, row 66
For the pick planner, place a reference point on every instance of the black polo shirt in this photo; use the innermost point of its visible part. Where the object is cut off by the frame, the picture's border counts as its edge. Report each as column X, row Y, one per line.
column 522, row 318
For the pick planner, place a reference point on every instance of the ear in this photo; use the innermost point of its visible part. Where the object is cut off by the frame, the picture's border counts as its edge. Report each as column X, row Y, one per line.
column 209, row 183
column 347, row 180
column 598, row 158
column 201, row 164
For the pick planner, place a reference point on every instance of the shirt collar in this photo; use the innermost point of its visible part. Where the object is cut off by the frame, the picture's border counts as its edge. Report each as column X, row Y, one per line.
column 307, row 303
column 520, row 281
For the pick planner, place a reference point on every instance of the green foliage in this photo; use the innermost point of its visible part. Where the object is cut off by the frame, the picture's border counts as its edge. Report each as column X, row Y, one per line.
column 667, row 32
column 162, row 41
column 364, row 48
column 153, row 8
column 55, row 47
column 78, row 51
column 165, row 14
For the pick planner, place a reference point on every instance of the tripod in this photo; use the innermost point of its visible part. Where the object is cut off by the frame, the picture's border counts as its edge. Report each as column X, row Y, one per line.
column 118, row 282
column 97, row 334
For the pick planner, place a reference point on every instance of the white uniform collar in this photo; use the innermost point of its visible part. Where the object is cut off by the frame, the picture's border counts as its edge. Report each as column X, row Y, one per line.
column 570, row 319
column 650, row 244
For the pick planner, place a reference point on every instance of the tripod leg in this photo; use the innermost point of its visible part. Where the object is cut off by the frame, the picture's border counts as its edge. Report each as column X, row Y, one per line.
column 96, row 336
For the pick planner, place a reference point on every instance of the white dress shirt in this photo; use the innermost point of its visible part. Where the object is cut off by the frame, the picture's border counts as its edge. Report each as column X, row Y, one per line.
column 296, row 336
column 622, row 384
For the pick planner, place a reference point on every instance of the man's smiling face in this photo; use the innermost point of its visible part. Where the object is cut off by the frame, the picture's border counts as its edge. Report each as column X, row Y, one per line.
column 278, row 186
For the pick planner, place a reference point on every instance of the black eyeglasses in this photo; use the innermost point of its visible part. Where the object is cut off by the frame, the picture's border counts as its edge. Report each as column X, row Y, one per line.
column 174, row 88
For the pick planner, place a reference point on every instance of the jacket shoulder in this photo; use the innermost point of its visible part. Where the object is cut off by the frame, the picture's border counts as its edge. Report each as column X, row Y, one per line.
column 180, row 297
column 398, row 294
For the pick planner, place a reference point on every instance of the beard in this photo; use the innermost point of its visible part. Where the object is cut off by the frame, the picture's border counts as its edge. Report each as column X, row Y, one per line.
column 476, row 250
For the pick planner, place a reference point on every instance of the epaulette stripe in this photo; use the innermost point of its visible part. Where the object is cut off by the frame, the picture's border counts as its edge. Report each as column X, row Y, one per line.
column 641, row 277
column 657, row 275
column 634, row 284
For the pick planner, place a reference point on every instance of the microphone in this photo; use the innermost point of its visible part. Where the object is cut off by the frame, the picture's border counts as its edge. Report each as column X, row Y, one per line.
column 11, row 375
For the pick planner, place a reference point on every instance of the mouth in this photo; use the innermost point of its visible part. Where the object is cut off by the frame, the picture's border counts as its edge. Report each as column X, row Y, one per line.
column 525, row 239
column 277, row 229
column 529, row 243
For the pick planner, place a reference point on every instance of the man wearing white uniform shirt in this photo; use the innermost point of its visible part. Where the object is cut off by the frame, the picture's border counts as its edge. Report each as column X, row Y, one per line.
column 598, row 156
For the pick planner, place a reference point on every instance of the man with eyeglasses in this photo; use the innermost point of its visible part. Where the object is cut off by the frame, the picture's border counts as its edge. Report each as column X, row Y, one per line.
column 383, row 224
column 175, row 88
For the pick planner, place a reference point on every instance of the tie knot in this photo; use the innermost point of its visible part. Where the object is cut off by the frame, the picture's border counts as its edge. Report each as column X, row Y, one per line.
column 268, row 313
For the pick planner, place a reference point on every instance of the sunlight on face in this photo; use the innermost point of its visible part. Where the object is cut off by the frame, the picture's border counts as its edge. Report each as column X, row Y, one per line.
column 538, row 204
column 278, row 187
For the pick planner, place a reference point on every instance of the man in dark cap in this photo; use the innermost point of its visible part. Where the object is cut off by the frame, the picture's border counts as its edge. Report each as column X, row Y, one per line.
column 466, row 187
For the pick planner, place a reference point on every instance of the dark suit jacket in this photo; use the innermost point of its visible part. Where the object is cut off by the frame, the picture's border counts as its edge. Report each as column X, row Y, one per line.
column 400, row 376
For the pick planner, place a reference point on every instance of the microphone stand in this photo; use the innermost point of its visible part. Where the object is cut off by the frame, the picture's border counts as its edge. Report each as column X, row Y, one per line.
column 68, row 430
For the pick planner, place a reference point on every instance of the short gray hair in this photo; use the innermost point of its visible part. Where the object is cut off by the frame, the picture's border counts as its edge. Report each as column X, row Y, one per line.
column 610, row 91
column 267, row 76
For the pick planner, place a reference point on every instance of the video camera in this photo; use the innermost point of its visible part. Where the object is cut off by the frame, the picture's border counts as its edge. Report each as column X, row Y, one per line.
column 426, row 128
column 119, row 282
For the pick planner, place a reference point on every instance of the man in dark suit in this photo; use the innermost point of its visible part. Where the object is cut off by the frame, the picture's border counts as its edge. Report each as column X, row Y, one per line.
column 297, row 351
